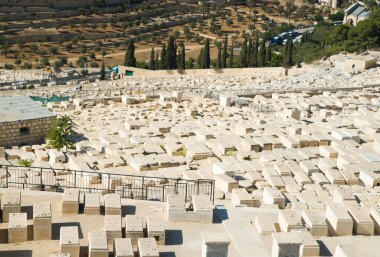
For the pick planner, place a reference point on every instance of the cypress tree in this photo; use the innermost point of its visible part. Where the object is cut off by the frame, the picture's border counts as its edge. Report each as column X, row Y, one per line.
column 103, row 72
column 243, row 54
column 232, row 55
column 171, row 55
column 290, row 54
column 268, row 56
column 255, row 53
column 219, row 58
column 224, row 54
column 183, row 56
column 249, row 52
column 206, row 55
column 130, row 59
column 200, row 59
column 163, row 58
column 262, row 54
column 152, row 61
column 157, row 62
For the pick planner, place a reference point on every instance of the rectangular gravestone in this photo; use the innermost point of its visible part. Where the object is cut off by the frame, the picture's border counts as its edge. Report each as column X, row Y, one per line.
column 315, row 222
column 339, row 221
column 42, row 228
column 17, row 228
column 203, row 208
column 70, row 201
column 175, row 207
column 134, row 227
column 215, row 244
column 91, row 204
column 148, row 247
column 97, row 244
column 112, row 204
column 11, row 203
column 156, row 229
column 69, row 241
column 286, row 244
column 122, row 247
column 112, row 226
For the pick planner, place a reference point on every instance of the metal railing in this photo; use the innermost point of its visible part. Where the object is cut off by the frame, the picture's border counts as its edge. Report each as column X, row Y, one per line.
column 127, row 186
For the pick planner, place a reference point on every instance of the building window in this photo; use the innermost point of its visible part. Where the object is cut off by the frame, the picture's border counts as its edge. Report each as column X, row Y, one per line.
column 24, row 131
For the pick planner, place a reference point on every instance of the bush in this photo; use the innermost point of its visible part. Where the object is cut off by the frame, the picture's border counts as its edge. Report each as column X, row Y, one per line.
column 27, row 65
column 26, row 163
column 8, row 66
column 94, row 65
column 59, row 135
column 84, row 72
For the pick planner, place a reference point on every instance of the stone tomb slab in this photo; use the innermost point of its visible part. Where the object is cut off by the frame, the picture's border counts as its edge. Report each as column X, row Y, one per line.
column 11, row 203
column 42, row 228
column 70, row 201
column 97, row 244
column 215, row 244
column 203, row 208
column 122, row 247
column 134, row 227
column 112, row 204
column 156, row 228
column 148, row 247
column 286, row 244
column 112, row 227
column 175, row 207
column 91, row 204
column 17, row 228
column 69, row 241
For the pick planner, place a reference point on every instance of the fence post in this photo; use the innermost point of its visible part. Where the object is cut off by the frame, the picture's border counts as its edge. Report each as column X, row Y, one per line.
column 41, row 183
column 75, row 179
column 142, row 188
column 186, row 192
column 6, row 175
column 109, row 183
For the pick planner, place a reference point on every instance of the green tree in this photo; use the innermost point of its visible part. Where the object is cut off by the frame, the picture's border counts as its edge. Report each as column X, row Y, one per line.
column 200, row 59
column 243, row 54
column 152, row 60
column 254, row 57
column 268, row 56
column 171, row 55
column 130, row 59
column 288, row 54
column 206, row 55
column 181, row 63
column 262, row 55
column 224, row 54
column 157, row 61
column 103, row 72
column 231, row 63
column 219, row 57
column 59, row 135
column 163, row 58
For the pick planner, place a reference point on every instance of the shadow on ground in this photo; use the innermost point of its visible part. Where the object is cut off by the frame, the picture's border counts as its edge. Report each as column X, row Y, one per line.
column 57, row 228
column 16, row 253
column 173, row 237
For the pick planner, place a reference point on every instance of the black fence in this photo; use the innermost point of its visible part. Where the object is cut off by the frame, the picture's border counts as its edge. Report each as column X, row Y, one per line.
column 127, row 186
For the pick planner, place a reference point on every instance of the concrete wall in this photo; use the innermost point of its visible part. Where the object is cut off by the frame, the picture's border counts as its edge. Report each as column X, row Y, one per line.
column 38, row 129
column 276, row 71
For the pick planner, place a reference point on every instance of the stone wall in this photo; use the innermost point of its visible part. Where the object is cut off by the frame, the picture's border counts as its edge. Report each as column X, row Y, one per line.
column 10, row 133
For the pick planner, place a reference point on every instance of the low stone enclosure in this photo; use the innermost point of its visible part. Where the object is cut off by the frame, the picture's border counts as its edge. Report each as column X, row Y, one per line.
column 119, row 235
column 127, row 186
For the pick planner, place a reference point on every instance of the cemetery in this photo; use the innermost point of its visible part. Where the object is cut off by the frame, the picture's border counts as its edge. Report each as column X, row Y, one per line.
column 293, row 172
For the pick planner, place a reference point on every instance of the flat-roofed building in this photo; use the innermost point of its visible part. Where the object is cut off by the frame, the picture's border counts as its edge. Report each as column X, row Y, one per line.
column 23, row 121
